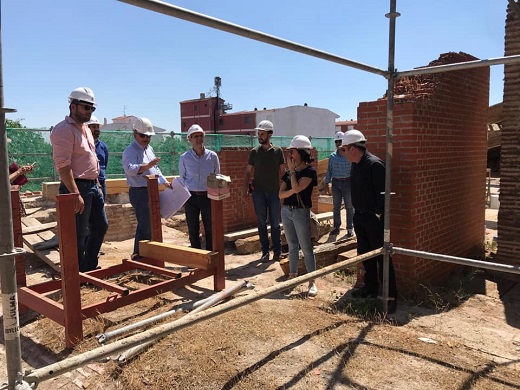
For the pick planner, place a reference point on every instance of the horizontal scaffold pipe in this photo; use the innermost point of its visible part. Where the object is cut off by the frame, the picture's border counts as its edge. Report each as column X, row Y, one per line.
column 205, row 20
column 458, row 260
column 56, row 369
column 458, row 66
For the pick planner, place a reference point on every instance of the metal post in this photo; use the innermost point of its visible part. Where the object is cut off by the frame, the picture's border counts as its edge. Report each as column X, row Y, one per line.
column 392, row 15
column 195, row 17
column 7, row 254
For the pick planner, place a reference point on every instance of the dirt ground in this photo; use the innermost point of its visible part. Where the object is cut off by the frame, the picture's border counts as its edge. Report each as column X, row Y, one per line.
column 465, row 335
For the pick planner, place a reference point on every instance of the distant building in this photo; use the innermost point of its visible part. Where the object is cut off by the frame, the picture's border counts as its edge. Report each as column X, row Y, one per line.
column 346, row 125
column 125, row 123
column 288, row 121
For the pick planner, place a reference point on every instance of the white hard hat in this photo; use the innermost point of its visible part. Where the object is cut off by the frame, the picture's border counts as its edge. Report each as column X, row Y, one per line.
column 353, row 137
column 300, row 142
column 265, row 126
column 83, row 94
column 93, row 121
column 144, row 126
column 195, row 129
column 338, row 136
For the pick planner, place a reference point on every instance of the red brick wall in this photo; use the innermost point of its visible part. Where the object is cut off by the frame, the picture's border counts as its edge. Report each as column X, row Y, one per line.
column 239, row 212
column 438, row 166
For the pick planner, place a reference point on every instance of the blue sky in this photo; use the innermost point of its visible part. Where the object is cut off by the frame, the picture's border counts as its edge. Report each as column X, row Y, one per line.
column 143, row 63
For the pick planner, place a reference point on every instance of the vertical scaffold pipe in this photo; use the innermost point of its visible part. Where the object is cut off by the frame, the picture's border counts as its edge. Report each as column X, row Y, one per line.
column 392, row 15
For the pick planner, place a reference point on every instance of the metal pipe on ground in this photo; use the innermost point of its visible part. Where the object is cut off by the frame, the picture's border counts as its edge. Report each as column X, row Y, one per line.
column 58, row 368
column 207, row 303
column 513, row 269
column 103, row 338
column 208, row 21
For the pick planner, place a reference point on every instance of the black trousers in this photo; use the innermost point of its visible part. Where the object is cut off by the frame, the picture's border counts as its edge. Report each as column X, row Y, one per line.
column 370, row 235
column 194, row 207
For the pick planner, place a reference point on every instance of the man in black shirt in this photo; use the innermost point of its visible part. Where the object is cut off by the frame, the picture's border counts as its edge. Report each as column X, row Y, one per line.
column 367, row 179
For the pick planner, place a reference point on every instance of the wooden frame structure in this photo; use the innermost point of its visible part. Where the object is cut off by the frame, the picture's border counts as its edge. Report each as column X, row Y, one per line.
column 70, row 313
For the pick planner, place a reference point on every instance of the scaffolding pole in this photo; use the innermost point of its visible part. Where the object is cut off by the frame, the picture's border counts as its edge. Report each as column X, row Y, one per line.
column 392, row 16
column 208, row 21
column 513, row 269
column 458, row 66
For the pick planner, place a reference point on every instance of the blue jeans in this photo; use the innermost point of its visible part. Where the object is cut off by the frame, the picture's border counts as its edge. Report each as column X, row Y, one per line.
column 297, row 229
column 265, row 202
column 91, row 225
column 341, row 193
column 139, row 201
column 103, row 185
column 194, row 207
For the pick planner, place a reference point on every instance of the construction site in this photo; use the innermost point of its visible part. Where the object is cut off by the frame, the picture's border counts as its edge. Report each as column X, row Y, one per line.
column 184, row 318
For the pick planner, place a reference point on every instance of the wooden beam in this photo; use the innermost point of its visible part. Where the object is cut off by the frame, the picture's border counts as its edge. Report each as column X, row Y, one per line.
column 39, row 228
column 177, row 254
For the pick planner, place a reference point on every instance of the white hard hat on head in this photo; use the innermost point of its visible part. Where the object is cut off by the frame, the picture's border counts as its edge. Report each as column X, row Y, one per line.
column 195, row 129
column 353, row 137
column 265, row 126
column 300, row 142
column 93, row 121
column 144, row 126
column 338, row 136
column 83, row 94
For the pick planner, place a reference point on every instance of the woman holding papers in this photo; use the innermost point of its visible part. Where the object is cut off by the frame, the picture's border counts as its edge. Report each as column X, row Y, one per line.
column 138, row 161
column 195, row 165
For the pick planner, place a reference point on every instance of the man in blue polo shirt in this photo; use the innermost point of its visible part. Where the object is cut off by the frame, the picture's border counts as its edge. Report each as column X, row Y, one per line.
column 338, row 174
column 101, row 151
column 195, row 165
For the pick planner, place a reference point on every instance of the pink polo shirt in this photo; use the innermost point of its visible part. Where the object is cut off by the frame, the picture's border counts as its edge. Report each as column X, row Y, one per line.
column 73, row 145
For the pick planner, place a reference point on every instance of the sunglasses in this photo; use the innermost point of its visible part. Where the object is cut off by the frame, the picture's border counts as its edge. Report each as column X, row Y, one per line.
column 144, row 135
column 86, row 107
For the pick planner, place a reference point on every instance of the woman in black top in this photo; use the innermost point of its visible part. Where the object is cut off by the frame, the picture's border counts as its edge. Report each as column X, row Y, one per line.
column 296, row 193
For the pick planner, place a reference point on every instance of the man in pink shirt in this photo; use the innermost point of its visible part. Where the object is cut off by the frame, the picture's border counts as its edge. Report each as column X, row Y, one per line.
column 75, row 159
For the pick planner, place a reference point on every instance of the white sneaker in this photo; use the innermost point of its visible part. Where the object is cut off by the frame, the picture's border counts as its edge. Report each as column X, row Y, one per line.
column 313, row 290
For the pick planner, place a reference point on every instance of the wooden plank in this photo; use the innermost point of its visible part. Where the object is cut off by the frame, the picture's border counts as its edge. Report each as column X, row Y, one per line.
column 31, row 211
column 233, row 236
column 40, row 228
column 326, row 254
column 177, row 254
column 325, row 216
column 30, row 221
column 49, row 256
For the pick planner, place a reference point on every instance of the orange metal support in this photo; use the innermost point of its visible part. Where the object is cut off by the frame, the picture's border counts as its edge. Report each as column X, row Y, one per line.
column 71, row 313
column 69, row 268
column 217, row 224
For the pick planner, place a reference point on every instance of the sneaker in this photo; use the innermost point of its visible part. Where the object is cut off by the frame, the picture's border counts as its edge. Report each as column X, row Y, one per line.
column 264, row 258
column 350, row 233
column 276, row 257
column 334, row 231
column 313, row 290
column 364, row 292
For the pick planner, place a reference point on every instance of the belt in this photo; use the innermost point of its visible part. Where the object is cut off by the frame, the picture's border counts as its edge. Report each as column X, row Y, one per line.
column 341, row 178
column 85, row 180
column 139, row 187
column 199, row 193
column 291, row 207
